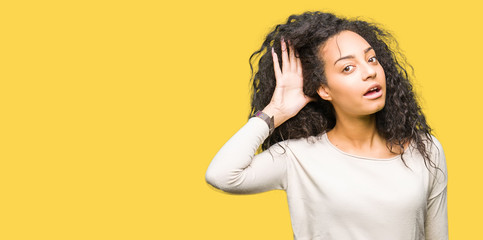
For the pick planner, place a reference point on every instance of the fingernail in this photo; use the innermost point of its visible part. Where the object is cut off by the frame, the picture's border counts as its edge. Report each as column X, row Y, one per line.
column 273, row 51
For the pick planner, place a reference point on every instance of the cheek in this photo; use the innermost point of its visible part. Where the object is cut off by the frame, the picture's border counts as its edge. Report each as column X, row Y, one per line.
column 345, row 90
column 382, row 74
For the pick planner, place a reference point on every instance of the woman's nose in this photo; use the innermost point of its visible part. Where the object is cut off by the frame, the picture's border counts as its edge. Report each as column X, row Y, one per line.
column 368, row 71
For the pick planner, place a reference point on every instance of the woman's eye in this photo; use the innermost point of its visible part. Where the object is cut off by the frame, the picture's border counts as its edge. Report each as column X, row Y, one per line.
column 348, row 68
column 372, row 59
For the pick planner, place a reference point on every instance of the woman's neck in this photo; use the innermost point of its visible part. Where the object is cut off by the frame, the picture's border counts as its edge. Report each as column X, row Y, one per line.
column 357, row 135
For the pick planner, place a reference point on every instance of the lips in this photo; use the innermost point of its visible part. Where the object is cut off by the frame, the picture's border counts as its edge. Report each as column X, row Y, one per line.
column 374, row 91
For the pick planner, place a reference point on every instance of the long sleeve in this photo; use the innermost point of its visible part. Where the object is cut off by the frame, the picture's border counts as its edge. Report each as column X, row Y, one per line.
column 436, row 225
column 236, row 168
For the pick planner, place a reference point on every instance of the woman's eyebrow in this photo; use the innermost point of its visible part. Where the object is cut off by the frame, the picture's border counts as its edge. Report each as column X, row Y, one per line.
column 352, row 56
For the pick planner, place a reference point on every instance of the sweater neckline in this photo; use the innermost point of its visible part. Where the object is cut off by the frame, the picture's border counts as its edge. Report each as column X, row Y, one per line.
column 356, row 156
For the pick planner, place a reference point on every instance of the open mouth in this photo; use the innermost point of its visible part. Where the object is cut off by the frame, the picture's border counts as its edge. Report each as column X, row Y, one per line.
column 373, row 91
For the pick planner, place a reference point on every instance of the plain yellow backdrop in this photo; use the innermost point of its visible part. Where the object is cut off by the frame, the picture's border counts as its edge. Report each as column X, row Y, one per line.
column 111, row 112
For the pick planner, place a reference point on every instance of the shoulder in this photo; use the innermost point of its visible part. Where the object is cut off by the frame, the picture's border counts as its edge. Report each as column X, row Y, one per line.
column 438, row 166
column 299, row 146
column 437, row 169
column 305, row 142
column 436, row 144
column 432, row 147
column 435, row 148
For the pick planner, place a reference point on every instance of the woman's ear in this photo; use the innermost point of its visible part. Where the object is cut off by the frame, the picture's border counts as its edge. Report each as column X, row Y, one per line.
column 324, row 92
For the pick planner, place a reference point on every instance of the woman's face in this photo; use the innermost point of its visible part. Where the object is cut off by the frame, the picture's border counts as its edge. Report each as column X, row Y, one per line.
column 356, row 84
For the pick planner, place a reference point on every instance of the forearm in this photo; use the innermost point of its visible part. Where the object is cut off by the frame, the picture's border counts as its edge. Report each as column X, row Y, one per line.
column 236, row 169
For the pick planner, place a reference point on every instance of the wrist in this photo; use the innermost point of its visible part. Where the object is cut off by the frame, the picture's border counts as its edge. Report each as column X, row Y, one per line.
column 274, row 112
column 269, row 120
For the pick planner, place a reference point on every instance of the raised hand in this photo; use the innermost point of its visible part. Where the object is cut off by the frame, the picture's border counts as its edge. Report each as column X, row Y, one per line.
column 288, row 98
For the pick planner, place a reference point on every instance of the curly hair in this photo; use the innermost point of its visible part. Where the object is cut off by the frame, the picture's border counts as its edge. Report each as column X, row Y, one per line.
column 401, row 121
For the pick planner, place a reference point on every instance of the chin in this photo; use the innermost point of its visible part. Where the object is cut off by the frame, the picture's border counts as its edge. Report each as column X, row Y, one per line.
column 381, row 107
column 378, row 107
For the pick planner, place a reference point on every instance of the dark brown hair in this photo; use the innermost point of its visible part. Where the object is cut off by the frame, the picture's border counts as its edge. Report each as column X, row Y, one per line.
column 400, row 121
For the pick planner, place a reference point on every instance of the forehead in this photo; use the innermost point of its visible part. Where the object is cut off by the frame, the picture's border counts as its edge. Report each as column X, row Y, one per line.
column 343, row 44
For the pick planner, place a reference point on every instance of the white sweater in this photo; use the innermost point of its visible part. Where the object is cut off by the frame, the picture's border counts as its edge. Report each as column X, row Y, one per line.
column 336, row 195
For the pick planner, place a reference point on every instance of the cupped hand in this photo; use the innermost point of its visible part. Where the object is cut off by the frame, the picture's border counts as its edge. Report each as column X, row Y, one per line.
column 288, row 98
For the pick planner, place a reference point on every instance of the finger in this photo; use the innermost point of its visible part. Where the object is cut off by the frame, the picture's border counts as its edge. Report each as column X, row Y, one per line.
column 276, row 65
column 293, row 61
column 299, row 65
column 285, row 61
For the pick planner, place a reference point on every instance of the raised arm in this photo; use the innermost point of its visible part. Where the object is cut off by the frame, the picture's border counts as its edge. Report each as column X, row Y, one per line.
column 235, row 167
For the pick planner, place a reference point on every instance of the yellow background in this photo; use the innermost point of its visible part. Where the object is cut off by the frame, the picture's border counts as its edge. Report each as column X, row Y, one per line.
column 111, row 112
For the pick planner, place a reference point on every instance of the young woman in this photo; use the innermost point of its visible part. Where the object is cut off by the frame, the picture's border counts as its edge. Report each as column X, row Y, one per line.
column 342, row 133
